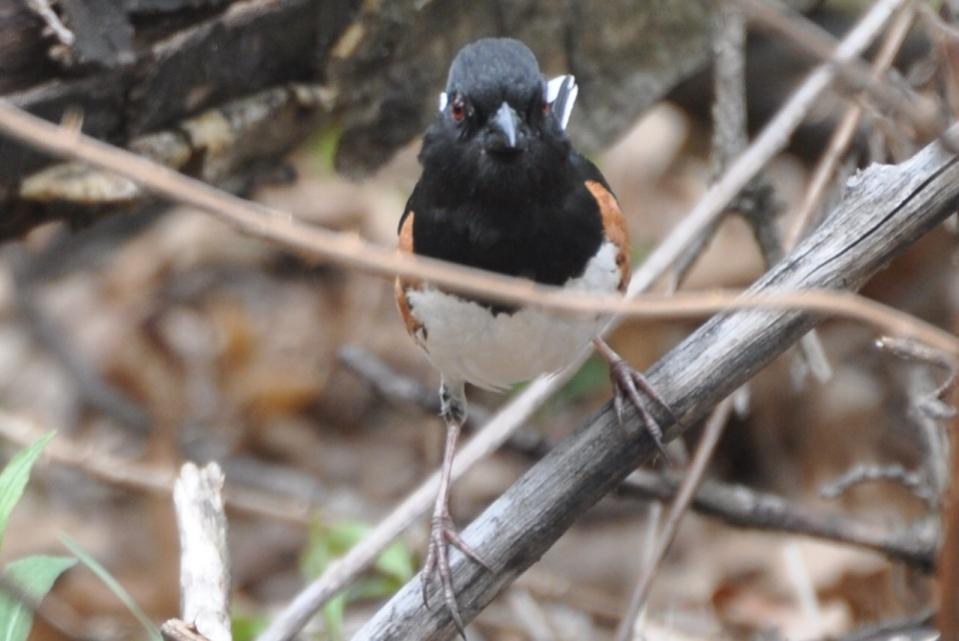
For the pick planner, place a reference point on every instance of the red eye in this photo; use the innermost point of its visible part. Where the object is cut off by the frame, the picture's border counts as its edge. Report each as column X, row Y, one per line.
column 545, row 107
column 458, row 109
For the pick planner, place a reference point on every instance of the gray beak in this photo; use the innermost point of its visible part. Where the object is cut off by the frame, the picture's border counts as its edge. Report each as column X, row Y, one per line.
column 505, row 122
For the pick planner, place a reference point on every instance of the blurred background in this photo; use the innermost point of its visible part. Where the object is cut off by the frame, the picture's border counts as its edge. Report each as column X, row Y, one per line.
column 160, row 335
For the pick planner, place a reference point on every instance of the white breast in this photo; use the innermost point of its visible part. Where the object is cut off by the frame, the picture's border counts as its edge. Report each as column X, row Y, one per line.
column 467, row 342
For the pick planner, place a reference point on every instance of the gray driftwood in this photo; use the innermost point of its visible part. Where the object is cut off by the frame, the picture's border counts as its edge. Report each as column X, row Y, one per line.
column 885, row 209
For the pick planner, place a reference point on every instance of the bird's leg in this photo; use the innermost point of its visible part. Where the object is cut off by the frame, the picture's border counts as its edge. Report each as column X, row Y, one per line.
column 442, row 530
column 628, row 383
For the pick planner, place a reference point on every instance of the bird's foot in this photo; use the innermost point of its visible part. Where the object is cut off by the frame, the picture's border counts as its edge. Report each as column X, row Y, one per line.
column 628, row 385
column 443, row 534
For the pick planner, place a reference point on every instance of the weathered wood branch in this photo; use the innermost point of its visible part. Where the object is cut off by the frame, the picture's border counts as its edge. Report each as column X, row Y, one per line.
column 885, row 209
column 742, row 507
column 204, row 557
column 736, row 505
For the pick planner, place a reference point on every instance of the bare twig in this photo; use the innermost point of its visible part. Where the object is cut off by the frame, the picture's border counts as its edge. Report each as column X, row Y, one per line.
column 912, row 350
column 926, row 405
column 895, row 97
column 394, row 385
column 730, row 135
column 691, row 480
column 932, row 19
column 916, row 483
column 43, row 9
column 747, row 508
column 927, row 410
column 399, row 388
column 845, row 131
column 142, row 477
column 757, row 203
column 204, row 557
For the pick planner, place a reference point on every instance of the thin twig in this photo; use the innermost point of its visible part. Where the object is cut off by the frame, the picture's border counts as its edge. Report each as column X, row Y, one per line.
column 142, row 477
column 743, row 507
column 43, row 9
column 845, row 131
column 911, row 350
column 691, row 480
column 916, row 483
column 730, row 134
column 895, row 97
column 927, row 407
column 932, row 19
column 399, row 388
column 757, row 203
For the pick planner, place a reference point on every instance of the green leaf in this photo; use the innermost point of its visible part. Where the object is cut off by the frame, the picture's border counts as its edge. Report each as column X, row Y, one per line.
column 392, row 568
column 323, row 145
column 328, row 542
column 118, row 590
column 344, row 535
column 333, row 613
column 247, row 627
column 34, row 575
column 14, row 478
column 396, row 562
column 591, row 377
column 376, row 587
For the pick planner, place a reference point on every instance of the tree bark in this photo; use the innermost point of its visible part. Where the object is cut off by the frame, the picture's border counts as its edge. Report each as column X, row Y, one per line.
column 212, row 87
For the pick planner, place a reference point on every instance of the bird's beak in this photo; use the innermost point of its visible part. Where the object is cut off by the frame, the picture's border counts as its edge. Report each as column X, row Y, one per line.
column 504, row 123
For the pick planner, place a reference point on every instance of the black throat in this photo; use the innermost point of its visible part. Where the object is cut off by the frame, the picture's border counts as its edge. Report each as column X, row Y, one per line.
column 535, row 221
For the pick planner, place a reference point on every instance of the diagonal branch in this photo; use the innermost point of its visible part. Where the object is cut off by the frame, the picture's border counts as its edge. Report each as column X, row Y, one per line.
column 735, row 505
column 885, row 210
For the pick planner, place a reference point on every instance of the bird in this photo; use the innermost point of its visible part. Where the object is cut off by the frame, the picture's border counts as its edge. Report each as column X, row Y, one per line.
column 502, row 189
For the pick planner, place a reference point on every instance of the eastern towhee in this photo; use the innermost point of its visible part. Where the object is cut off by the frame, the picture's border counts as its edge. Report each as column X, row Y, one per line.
column 502, row 189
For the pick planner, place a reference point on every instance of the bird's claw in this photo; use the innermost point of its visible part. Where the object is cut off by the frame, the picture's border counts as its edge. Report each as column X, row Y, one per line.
column 627, row 385
column 443, row 534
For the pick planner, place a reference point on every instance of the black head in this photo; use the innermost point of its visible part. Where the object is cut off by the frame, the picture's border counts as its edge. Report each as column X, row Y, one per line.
column 496, row 128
